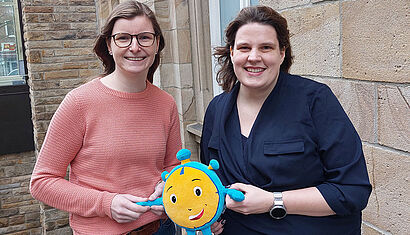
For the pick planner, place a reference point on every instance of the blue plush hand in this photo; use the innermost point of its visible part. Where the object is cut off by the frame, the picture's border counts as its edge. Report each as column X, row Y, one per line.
column 156, row 202
column 236, row 195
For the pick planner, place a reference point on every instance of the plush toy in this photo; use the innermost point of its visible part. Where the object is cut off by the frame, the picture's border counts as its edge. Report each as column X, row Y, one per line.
column 193, row 196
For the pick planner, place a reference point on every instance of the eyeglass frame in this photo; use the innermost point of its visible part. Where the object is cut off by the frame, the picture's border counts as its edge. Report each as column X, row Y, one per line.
column 132, row 37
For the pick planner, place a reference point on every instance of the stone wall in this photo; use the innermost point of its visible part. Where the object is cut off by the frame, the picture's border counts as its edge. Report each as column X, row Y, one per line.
column 58, row 38
column 360, row 49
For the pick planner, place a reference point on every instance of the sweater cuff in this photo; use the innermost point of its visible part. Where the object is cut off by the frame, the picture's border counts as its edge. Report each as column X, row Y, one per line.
column 106, row 203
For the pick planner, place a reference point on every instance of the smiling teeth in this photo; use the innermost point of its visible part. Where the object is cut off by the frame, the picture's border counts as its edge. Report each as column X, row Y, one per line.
column 254, row 70
column 135, row 58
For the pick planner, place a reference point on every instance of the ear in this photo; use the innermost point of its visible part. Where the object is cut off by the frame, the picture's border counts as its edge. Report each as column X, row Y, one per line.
column 231, row 53
column 108, row 42
column 282, row 54
column 157, row 41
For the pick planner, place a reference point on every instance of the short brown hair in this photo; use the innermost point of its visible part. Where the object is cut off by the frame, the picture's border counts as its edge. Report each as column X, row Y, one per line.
column 126, row 10
column 255, row 14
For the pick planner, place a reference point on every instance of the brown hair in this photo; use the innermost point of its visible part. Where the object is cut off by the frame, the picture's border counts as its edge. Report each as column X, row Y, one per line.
column 255, row 14
column 126, row 10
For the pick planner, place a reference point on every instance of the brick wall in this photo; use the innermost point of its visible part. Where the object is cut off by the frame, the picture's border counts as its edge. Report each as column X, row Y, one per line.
column 58, row 36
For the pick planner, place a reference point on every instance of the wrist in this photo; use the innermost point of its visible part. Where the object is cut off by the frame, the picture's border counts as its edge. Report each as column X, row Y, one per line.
column 278, row 209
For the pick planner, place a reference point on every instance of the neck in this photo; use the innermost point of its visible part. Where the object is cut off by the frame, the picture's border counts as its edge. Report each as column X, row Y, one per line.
column 255, row 96
column 126, row 83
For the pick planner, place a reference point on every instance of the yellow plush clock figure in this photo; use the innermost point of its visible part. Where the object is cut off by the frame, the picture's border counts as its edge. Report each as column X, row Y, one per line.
column 193, row 196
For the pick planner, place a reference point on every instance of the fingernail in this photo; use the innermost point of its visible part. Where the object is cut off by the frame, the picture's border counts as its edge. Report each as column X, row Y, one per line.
column 228, row 186
column 223, row 221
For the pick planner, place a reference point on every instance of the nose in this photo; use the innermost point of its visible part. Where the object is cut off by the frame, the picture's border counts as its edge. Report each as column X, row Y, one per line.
column 134, row 44
column 254, row 55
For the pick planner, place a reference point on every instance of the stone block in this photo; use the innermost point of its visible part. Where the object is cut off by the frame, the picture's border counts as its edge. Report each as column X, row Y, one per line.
column 280, row 4
column 315, row 39
column 181, row 14
column 389, row 175
column 17, row 219
column 358, row 100
column 167, row 52
column 38, row 9
column 375, row 40
column 184, row 46
column 34, row 36
column 63, row 74
column 34, row 56
column 43, row 44
column 4, row 222
column 394, row 113
column 162, row 13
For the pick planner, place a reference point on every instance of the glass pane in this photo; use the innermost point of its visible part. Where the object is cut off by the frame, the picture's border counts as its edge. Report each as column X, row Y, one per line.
column 254, row 2
column 228, row 11
column 11, row 61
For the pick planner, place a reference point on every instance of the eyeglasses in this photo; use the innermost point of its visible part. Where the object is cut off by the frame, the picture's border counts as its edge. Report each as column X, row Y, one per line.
column 144, row 39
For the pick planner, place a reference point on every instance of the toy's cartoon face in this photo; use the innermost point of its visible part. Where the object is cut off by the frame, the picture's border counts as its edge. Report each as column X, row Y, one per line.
column 190, row 197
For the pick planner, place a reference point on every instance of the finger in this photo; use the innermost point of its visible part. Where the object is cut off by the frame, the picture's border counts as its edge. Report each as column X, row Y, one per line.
column 157, row 208
column 133, row 198
column 239, row 186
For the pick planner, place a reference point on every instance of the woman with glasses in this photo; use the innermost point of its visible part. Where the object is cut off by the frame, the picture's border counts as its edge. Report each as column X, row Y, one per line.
column 117, row 133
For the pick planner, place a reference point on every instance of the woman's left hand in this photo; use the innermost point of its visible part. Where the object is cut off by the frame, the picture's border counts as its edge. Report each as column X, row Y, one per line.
column 256, row 201
column 158, row 210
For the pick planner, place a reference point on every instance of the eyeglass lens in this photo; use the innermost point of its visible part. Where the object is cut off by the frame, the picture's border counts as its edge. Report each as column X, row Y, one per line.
column 144, row 39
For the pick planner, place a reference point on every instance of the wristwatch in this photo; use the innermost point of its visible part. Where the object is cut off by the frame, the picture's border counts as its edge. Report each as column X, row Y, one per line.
column 278, row 210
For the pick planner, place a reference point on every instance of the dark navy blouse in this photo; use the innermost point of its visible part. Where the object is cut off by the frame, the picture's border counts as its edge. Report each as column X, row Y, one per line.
column 301, row 138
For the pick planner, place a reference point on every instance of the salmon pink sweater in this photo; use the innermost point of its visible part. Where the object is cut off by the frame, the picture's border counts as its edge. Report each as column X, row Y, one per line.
column 114, row 142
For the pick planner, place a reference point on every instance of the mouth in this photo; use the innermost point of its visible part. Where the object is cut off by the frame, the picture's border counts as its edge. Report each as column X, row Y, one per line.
column 135, row 58
column 255, row 70
column 197, row 216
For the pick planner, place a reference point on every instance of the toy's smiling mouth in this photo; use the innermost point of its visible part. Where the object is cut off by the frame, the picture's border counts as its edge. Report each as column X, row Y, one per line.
column 197, row 216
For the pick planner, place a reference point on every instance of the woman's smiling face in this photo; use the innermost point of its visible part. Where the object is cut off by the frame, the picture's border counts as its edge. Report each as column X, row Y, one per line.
column 133, row 60
column 257, row 56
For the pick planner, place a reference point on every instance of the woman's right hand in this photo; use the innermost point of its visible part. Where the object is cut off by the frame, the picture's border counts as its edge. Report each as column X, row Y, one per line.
column 124, row 208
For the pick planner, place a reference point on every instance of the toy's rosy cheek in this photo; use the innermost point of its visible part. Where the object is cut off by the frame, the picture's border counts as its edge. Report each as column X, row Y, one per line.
column 173, row 198
column 198, row 191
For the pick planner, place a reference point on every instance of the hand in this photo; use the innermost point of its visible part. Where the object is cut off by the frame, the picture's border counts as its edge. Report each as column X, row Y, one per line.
column 124, row 209
column 256, row 201
column 217, row 227
column 158, row 210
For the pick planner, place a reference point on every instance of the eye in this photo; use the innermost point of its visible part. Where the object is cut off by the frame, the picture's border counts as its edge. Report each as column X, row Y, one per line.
column 145, row 37
column 173, row 198
column 198, row 191
column 243, row 48
column 122, row 37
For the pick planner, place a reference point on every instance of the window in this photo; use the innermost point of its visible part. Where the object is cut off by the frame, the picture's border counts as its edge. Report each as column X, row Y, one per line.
column 16, row 127
column 221, row 12
column 11, row 54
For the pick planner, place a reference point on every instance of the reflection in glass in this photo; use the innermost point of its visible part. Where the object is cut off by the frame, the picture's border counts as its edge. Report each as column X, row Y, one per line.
column 11, row 59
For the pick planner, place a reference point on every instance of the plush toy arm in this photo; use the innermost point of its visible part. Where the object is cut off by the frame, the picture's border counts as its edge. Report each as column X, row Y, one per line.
column 236, row 195
column 156, row 202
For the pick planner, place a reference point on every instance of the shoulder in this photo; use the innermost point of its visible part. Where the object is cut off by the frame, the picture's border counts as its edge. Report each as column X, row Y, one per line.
column 299, row 82
column 160, row 94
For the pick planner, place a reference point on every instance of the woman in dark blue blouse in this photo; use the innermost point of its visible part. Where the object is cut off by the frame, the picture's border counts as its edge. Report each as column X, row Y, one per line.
column 283, row 140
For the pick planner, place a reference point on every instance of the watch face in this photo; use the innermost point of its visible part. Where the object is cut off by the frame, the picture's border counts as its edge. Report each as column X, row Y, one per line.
column 278, row 212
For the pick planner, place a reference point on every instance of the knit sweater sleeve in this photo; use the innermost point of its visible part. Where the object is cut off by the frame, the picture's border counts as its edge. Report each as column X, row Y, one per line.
column 173, row 141
column 61, row 145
